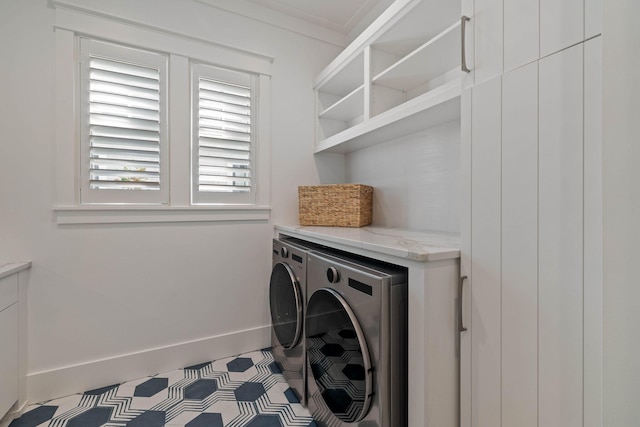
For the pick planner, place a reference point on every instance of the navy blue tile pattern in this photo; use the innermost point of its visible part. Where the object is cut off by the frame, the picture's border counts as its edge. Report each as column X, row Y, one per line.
column 239, row 391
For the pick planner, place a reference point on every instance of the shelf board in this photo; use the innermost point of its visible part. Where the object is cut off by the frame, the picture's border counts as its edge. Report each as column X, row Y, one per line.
column 346, row 79
column 347, row 108
column 432, row 59
column 437, row 106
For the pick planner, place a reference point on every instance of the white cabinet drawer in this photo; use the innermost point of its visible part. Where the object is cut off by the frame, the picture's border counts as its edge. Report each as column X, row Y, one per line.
column 8, row 291
column 8, row 358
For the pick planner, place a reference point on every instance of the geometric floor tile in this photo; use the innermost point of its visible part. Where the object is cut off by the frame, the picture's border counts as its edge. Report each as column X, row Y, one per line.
column 240, row 391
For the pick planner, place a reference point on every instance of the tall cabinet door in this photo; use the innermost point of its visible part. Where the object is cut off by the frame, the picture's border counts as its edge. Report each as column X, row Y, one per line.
column 561, row 24
column 488, row 33
column 521, row 32
column 485, row 253
column 519, row 267
column 560, row 268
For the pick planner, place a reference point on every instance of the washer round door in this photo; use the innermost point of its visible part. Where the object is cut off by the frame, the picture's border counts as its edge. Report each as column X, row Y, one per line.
column 338, row 355
column 285, row 299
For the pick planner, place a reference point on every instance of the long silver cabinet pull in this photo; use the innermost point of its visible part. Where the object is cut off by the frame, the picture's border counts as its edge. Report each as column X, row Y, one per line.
column 461, row 327
column 463, row 26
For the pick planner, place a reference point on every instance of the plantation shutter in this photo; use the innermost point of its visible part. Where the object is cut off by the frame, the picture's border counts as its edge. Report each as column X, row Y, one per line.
column 224, row 140
column 125, row 131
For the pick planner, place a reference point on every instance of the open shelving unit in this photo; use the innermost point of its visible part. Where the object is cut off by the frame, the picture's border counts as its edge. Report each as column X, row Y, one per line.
column 399, row 76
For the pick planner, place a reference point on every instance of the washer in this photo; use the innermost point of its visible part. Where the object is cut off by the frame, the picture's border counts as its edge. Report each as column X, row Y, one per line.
column 356, row 341
column 287, row 297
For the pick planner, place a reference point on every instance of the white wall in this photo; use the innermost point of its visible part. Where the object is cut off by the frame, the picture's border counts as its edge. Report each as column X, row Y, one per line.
column 104, row 291
column 621, row 189
column 416, row 179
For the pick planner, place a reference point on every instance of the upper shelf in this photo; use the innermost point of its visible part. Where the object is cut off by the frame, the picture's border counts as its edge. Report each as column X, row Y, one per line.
column 401, row 75
column 430, row 60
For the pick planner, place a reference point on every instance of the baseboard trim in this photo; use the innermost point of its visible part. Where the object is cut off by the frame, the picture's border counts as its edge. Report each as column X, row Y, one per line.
column 59, row 382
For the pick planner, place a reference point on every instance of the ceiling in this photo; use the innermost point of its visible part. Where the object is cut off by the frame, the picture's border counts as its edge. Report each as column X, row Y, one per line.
column 337, row 15
column 334, row 21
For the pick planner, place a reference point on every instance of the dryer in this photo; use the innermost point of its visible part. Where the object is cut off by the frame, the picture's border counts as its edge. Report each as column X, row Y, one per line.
column 287, row 297
column 356, row 341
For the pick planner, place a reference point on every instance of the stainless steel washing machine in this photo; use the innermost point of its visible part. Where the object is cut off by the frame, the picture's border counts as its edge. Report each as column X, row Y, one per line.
column 356, row 342
column 287, row 298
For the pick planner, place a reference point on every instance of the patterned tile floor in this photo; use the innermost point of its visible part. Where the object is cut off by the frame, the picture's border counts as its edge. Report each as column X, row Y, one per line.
column 241, row 391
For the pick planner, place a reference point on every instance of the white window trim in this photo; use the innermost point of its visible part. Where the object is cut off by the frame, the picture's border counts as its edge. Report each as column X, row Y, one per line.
column 70, row 24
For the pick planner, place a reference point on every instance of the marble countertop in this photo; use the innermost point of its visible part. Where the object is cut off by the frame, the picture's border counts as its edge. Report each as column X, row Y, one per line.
column 414, row 245
column 10, row 268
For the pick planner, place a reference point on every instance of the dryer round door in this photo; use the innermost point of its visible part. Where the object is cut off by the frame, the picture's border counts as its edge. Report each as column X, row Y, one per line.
column 338, row 355
column 286, row 302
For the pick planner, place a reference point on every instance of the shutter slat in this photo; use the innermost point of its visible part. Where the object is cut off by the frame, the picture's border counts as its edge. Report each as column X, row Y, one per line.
column 222, row 189
column 225, row 116
column 117, row 89
column 225, row 144
column 224, row 134
column 124, row 123
column 124, row 68
column 226, row 88
column 213, row 171
column 224, row 154
column 124, row 126
column 126, row 112
column 225, row 163
column 224, row 126
column 124, row 144
column 205, row 104
column 124, row 185
column 123, row 101
column 225, row 98
column 121, row 133
column 120, row 165
column 124, row 79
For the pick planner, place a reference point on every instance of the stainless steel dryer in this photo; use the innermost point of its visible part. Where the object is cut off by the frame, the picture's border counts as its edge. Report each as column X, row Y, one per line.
column 287, row 297
column 356, row 342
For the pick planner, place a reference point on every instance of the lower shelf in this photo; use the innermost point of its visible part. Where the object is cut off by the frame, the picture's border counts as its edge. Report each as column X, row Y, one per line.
column 438, row 106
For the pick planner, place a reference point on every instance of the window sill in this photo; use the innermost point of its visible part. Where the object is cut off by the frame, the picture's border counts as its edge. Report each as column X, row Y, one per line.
column 121, row 214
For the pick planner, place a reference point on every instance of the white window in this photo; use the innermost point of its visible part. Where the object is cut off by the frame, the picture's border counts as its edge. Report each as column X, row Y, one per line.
column 123, row 126
column 223, row 136
column 146, row 132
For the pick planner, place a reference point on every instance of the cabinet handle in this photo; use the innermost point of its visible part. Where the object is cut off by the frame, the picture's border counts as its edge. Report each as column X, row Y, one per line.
column 463, row 26
column 461, row 327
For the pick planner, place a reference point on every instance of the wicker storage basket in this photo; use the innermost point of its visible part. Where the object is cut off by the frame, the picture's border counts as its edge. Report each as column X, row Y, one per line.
column 340, row 205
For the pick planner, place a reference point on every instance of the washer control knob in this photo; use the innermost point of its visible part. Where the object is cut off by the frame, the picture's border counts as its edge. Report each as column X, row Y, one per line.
column 284, row 252
column 333, row 275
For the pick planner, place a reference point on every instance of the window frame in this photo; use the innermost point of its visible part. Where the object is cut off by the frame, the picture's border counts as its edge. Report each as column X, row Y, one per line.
column 71, row 24
column 199, row 71
column 96, row 48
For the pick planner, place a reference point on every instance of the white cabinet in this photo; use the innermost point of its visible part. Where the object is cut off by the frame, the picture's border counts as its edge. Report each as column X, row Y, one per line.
column 399, row 76
column 488, row 33
column 8, row 358
column 561, row 25
column 521, row 32
column 8, row 343
column 13, row 351
column 484, row 277
column 532, row 217
column 561, row 239
column 519, row 258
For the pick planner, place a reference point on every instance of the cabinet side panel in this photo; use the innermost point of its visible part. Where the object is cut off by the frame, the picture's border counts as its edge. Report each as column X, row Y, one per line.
column 561, row 24
column 521, row 32
column 561, row 239
column 593, row 270
column 485, row 249
column 8, row 358
column 520, row 247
